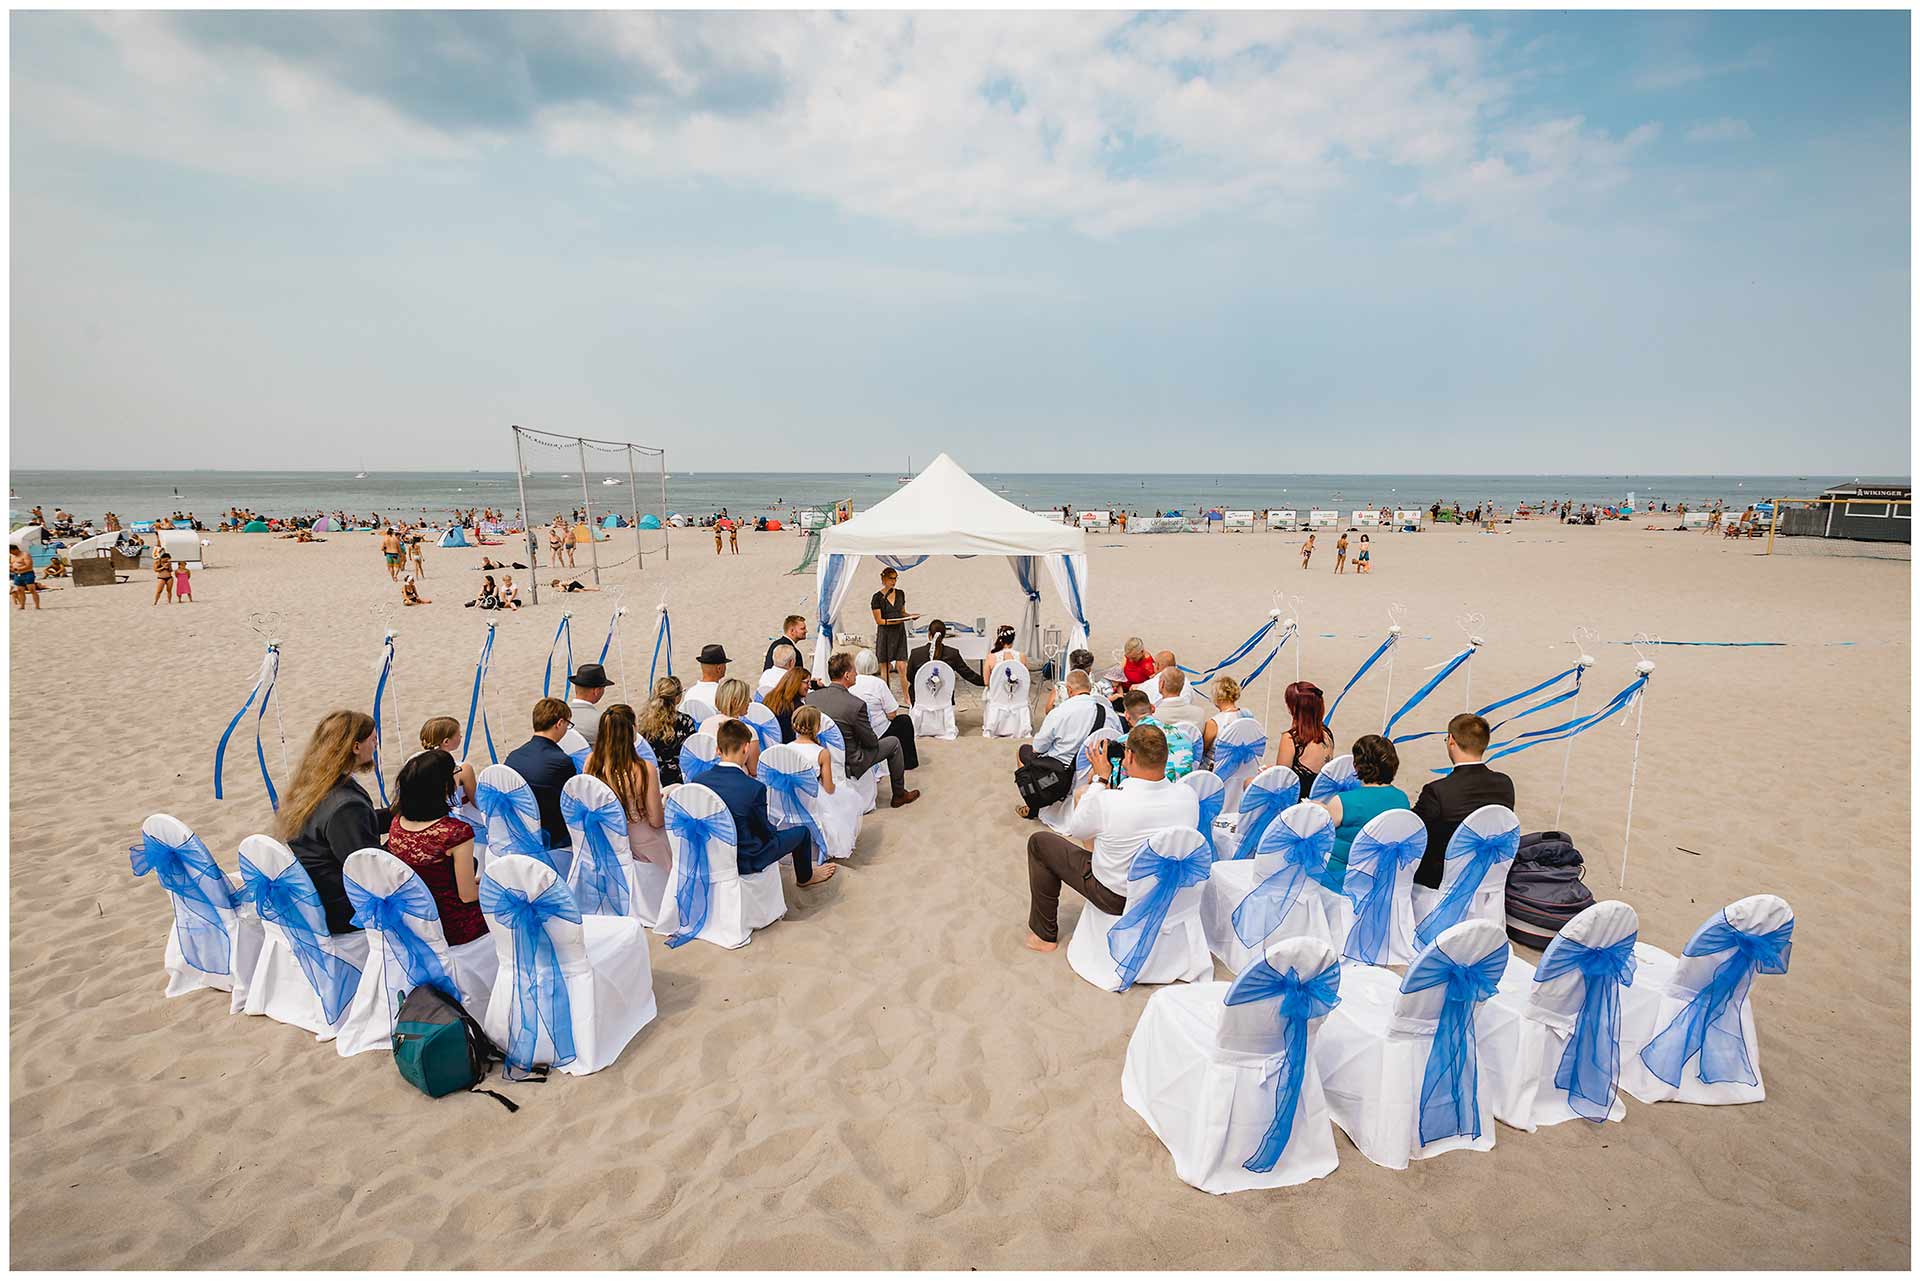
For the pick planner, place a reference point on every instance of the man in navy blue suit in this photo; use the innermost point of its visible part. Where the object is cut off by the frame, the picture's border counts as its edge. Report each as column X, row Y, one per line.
column 760, row 843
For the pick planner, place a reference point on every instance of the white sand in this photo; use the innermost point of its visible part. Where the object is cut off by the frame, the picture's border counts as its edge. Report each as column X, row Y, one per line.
column 887, row 1077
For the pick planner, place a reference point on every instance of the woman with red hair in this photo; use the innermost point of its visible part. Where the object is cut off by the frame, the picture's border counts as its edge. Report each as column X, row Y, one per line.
column 1307, row 745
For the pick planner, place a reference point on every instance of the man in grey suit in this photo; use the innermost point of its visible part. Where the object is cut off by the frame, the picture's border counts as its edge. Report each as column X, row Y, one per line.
column 837, row 701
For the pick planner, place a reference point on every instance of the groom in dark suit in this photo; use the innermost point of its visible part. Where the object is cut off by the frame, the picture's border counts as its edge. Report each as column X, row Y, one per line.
column 760, row 844
column 1446, row 802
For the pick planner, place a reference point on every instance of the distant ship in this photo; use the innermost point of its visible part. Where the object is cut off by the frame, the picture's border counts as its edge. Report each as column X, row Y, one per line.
column 609, row 481
column 359, row 475
column 901, row 480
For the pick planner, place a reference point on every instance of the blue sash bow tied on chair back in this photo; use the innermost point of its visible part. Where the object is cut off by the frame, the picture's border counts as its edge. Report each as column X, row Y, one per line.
column 789, row 789
column 199, row 892
column 693, row 765
column 1230, row 758
column 1132, row 937
column 694, row 893
column 518, row 812
column 539, row 986
column 1590, row 1068
column 603, row 884
column 389, row 914
column 290, row 901
column 1259, row 806
column 1710, row 1024
column 1450, row 1090
column 1303, row 858
column 1301, row 999
column 1210, row 806
column 1481, row 851
column 1373, row 870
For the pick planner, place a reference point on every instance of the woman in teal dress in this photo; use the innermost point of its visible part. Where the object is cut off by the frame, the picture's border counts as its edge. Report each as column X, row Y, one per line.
column 1375, row 761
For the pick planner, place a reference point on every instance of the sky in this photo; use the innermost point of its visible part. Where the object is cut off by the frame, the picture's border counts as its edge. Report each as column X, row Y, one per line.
column 1182, row 242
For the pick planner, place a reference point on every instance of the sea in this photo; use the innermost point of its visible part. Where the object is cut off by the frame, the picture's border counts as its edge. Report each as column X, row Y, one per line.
column 143, row 495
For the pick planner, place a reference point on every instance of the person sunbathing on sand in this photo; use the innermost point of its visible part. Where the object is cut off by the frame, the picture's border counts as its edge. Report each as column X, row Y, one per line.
column 575, row 586
column 410, row 593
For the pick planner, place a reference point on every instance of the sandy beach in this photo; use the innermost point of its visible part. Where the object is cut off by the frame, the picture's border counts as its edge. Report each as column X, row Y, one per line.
column 887, row 1077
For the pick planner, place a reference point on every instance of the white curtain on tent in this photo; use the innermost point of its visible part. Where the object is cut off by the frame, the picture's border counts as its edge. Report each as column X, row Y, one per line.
column 835, row 579
column 1070, row 579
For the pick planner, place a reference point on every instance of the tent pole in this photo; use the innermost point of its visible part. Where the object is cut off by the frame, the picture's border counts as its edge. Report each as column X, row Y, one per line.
column 639, row 554
column 666, row 526
column 526, row 522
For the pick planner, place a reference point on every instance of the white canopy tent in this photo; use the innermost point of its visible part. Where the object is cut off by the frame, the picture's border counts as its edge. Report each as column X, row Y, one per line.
column 945, row 512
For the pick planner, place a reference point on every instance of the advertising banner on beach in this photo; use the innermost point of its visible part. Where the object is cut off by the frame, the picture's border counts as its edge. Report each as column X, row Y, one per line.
column 1288, row 519
column 1241, row 522
column 1157, row 525
column 1096, row 520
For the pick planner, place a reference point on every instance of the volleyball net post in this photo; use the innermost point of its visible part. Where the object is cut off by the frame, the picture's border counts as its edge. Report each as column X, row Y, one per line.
column 548, row 450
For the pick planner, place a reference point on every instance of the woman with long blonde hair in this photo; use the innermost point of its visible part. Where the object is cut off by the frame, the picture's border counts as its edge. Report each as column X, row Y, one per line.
column 666, row 728
column 615, row 763
column 326, row 814
column 731, row 698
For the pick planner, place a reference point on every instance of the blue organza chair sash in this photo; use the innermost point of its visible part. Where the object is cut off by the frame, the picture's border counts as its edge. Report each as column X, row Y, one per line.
column 539, row 986
column 1303, row 859
column 790, row 790
column 602, row 884
column 767, row 731
column 692, row 766
column 290, row 902
column 518, row 812
column 391, row 914
column 1299, row 1000
column 1210, row 807
column 1259, row 806
column 1373, row 869
column 1230, row 758
column 694, row 893
column 1480, row 852
column 1132, row 937
column 199, row 892
column 1450, row 1090
column 831, row 738
column 1338, row 777
column 1710, row 1024
column 1590, row 1068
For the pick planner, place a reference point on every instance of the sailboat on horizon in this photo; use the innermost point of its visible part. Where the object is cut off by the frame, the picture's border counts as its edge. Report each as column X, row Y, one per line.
column 901, row 480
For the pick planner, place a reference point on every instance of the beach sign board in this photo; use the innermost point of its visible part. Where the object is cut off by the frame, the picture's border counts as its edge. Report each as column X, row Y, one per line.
column 1096, row 520
column 1404, row 516
column 1288, row 519
column 1323, row 520
column 1366, row 518
column 1049, row 513
column 1241, row 521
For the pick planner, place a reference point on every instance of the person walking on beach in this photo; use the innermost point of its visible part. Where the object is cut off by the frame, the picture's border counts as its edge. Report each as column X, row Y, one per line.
column 1306, row 551
column 394, row 550
column 733, row 536
column 717, row 528
column 20, row 570
column 162, row 576
column 1340, row 554
column 182, row 583
column 1363, row 565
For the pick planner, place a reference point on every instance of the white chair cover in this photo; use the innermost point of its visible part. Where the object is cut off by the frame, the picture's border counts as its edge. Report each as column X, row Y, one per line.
column 697, row 756
column 1177, row 949
column 933, row 690
column 838, row 812
column 214, row 941
column 575, row 745
column 512, row 815
column 764, row 724
column 1692, row 1015
column 1376, row 908
column 1546, row 1033
column 604, row 877
column 1212, row 1080
column 406, row 948
column 800, row 802
column 572, row 990
column 1212, row 796
column 1007, row 713
column 1237, row 750
column 699, row 710
column 867, row 786
column 1278, row 885
column 1480, row 855
column 736, row 905
column 1092, row 754
column 1238, row 831
column 1336, row 776
column 303, row 976
column 1377, row 1049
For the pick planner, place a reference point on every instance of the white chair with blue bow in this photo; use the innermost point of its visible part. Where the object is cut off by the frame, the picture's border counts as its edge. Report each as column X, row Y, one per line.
column 698, row 755
column 764, row 724
column 213, row 944
column 1276, row 894
column 1092, row 756
column 1336, row 776
column 791, row 776
column 304, row 975
column 1158, row 938
column 933, row 689
column 699, row 710
column 1223, row 1073
column 1212, row 795
column 1473, row 880
column 512, row 815
column 1551, row 1052
column 707, row 898
column 867, row 786
column 605, row 879
column 577, row 748
column 1007, row 712
column 1691, row 1037
column 1237, row 750
column 1376, row 920
column 1237, row 833
column 406, row 948
column 1400, row 1058
column 572, row 990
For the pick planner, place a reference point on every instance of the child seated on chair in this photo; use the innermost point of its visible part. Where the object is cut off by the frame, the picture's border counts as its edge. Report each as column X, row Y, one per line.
column 760, row 845
column 442, row 733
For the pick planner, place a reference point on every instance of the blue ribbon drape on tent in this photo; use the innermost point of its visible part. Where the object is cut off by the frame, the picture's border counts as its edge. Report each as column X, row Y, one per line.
column 1024, row 569
column 901, row 562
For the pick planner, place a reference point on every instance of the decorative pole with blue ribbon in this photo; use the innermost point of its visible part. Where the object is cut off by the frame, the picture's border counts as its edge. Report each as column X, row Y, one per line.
column 1353, row 680
column 1289, row 631
column 662, row 635
column 477, row 705
column 263, row 690
column 1566, row 762
column 380, row 688
column 1645, row 668
column 613, row 634
column 546, row 677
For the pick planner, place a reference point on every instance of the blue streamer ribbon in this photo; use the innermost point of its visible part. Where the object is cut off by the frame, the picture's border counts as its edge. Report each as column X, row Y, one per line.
column 379, row 694
column 1365, row 667
column 519, row 813
column 1373, row 868
column 390, row 915
column 1303, row 858
column 1245, row 647
column 1452, row 665
column 1450, row 1090
column 1710, row 1024
column 475, row 705
column 263, row 690
column 290, row 901
column 1300, row 1000
column 607, row 644
column 1211, row 804
column 540, row 988
column 602, row 883
column 662, row 635
column 1590, row 1067
column 1566, row 729
column 546, row 677
column 200, row 895
column 1481, row 851
column 694, row 894
column 1130, row 941
column 1576, row 671
column 791, row 788
column 1259, row 806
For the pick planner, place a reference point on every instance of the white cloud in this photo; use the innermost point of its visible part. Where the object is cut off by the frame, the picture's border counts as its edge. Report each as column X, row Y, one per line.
column 1679, row 72
column 1725, row 129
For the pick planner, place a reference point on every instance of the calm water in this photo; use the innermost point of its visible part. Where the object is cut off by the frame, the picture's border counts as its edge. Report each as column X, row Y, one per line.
column 138, row 495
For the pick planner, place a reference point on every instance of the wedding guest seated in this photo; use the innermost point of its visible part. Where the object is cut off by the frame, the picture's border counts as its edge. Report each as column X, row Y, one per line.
column 785, row 698
column 1136, row 668
column 1306, row 745
column 1226, row 702
column 1163, row 662
column 666, row 728
column 1064, row 731
column 865, row 749
column 1178, row 705
column 615, row 763
column 713, row 662
column 1118, row 821
column 437, row 846
column 936, row 649
column 1445, row 803
column 546, row 768
column 731, row 699
column 884, row 713
column 442, row 733
column 759, row 843
column 841, row 810
column 1080, row 660
column 326, row 814
column 1376, row 761
column 783, row 662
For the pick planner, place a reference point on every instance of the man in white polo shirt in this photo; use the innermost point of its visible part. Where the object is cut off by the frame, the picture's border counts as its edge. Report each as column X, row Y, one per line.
column 1117, row 822
column 783, row 659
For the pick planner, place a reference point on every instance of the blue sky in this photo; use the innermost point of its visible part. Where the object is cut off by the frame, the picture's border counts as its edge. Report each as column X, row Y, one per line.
column 1524, row 242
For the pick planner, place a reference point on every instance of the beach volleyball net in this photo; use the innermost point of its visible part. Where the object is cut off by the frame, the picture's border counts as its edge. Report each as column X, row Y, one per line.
column 604, row 502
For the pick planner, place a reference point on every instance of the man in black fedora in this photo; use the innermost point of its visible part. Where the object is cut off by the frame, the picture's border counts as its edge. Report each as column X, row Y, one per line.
column 589, row 684
column 713, row 662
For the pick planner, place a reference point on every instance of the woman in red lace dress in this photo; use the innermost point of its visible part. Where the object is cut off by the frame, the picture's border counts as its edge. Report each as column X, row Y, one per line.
column 438, row 847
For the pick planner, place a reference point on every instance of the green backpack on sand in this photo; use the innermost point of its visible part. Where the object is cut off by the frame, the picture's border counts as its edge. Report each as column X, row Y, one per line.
column 439, row 1048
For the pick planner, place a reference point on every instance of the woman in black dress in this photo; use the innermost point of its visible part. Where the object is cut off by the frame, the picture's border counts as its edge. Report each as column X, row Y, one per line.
column 890, row 619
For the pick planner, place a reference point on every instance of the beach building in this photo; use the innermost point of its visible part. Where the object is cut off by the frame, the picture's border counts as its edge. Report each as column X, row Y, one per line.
column 1869, row 511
